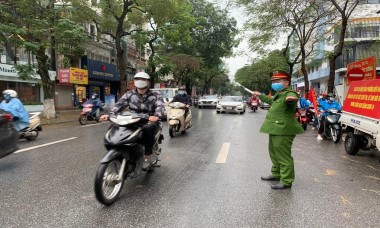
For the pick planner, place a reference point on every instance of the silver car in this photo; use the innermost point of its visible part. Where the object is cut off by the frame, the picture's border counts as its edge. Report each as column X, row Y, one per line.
column 231, row 104
column 208, row 101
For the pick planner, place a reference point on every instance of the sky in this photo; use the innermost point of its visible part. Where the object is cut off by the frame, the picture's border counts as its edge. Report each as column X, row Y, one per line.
column 242, row 55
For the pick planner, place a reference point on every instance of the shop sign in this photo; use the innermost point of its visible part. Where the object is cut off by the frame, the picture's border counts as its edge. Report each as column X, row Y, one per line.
column 64, row 75
column 362, row 70
column 363, row 98
column 78, row 76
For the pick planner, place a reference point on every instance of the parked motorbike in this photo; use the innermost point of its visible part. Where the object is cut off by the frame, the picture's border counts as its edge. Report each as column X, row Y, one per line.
column 254, row 105
column 301, row 118
column 332, row 128
column 176, row 118
column 31, row 133
column 125, row 156
column 87, row 114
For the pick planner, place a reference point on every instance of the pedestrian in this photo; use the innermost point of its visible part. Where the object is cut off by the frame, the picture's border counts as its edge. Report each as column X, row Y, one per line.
column 282, row 127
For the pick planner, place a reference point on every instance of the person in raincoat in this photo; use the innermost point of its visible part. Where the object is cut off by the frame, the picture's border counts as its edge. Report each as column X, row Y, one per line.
column 14, row 106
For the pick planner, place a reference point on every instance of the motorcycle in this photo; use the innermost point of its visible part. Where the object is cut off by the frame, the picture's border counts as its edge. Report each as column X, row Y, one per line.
column 253, row 105
column 176, row 118
column 301, row 118
column 332, row 128
column 31, row 133
column 125, row 156
column 88, row 115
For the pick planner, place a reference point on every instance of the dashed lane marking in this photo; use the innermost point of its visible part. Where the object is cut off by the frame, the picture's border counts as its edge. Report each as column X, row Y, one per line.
column 46, row 144
column 222, row 156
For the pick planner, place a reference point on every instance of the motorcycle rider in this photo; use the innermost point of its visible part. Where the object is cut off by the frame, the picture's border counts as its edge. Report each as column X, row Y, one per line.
column 97, row 105
column 254, row 98
column 183, row 97
column 330, row 103
column 13, row 105
column 321, row 99
column 142, row 100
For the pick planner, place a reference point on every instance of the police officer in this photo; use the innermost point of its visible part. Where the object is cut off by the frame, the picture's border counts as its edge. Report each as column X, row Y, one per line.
column 282, row 127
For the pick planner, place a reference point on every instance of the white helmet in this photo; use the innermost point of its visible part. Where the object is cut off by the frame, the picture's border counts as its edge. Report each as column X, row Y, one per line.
column 142, row 75
column 11, row 92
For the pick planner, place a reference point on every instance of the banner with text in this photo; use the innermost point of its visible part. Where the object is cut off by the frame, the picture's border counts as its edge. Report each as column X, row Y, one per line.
column 364, row 69
column 78, row 76
column 363, row 98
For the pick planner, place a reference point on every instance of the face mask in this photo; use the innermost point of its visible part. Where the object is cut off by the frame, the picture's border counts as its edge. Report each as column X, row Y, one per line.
column 181, row 92
column 93, row 97
column 332, row 99
column 6, row 97
column 141, row 84
column 277, row 86
column 320, row 97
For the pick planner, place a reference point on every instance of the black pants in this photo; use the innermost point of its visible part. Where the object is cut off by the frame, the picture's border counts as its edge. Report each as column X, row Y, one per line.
column 149, row 131
column 322, row 125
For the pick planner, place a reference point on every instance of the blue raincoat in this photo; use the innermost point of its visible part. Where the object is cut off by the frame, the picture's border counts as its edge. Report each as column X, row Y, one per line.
column 15, row 107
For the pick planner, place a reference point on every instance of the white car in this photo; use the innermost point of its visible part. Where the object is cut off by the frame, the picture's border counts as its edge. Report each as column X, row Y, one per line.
column 229, row 104
column 208, row 101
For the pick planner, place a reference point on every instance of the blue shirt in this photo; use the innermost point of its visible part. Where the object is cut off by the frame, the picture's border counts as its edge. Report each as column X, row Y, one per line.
column 326, row 105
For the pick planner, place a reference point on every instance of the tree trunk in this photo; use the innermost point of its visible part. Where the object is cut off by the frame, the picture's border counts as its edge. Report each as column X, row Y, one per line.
column 121, row 65
column 304, row 72
column 330, row 88
column 47, row 84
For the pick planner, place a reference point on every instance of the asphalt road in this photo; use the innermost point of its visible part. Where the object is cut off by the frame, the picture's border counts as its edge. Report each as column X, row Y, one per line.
column 49, row 183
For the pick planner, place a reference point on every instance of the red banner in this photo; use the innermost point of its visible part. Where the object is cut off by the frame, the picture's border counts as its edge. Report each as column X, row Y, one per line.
column 363, row 98
column 366, row 67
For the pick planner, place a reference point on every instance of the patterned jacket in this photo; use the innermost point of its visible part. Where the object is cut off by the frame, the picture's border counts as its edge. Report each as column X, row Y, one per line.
column 150, row 103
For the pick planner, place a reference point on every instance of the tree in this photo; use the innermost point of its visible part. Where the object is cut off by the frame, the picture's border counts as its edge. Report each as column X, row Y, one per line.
column 300, row 19
column 256, row 75
column 345, row 9
column 37, row 23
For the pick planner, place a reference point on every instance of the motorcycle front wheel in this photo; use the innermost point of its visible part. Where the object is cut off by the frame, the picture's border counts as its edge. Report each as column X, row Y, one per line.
column 107, row 187
column 171, row 131
column 335, row 135
column 83, row 119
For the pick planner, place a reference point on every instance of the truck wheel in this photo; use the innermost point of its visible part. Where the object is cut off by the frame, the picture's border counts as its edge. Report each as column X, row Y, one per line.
column 352, row 144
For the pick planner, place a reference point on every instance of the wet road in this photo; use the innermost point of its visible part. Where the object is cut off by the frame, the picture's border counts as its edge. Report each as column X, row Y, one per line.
column 50, row 182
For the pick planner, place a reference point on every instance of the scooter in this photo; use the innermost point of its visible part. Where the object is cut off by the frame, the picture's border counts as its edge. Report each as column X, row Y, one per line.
column 176, row 118
column 332, row 128
column 125, row 156
column 31, row 133
column 301, row 117
column 88, row 115
column 254, row 105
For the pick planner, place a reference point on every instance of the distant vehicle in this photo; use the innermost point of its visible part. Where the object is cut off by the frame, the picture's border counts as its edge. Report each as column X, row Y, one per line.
column 233, row 104
column 264, row 105
column 167, row 94
column 208, row 101
column 8, row 134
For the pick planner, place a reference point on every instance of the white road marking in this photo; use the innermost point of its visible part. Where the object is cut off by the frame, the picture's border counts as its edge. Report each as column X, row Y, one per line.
column 46, row 144
column 222, row 156
column 88, row 125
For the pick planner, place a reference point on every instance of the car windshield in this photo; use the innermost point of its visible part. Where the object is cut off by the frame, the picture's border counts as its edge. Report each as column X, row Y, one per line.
column 232, row 99
column 210, row 97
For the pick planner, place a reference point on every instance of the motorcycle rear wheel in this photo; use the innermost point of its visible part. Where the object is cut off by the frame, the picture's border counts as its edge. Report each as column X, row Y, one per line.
column 107, row 188
column 83, row 119
column 31, row 138
column 304, row 126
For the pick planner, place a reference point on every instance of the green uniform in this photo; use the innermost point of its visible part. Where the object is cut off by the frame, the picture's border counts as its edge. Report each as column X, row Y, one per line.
column 282, row 126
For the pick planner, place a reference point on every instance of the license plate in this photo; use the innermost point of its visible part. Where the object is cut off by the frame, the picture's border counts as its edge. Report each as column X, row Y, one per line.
column 228, row 107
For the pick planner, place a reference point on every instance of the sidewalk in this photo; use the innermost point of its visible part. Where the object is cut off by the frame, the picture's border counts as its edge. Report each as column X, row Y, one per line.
column 62, row 116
